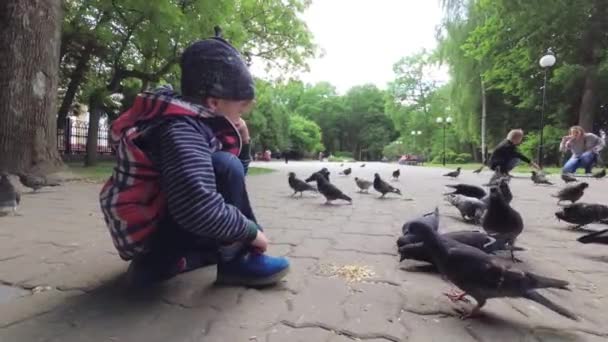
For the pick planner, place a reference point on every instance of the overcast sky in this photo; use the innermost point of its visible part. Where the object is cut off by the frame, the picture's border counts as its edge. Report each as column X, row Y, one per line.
column 362, row 39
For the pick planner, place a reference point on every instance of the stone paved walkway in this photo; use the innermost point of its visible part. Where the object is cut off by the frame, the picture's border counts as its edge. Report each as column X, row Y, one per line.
column 61, row 280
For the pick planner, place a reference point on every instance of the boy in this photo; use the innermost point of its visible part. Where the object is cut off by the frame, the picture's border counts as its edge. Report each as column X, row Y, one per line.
column 506, row 156
column 177, row 199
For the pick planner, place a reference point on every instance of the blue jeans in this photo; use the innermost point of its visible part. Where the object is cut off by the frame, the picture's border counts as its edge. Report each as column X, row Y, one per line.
column 586, row 160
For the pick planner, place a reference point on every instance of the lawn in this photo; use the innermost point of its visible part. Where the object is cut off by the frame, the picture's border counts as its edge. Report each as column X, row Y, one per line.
column 103, row 170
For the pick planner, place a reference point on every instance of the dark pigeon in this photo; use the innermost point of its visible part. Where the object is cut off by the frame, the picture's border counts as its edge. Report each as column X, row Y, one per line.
column 346, row 172
column 299, row 185
column 396, row 174
column 453, row 174
column 35, row 182
column 363, row 184
column 328, row 190
column 363, row 165
column 467, row 190
column 539, row 178
column 323, row 172
column 383, row 187
column 502, row 185
column 501, row 221
column 9, row 197
column 567, row 178
column 571, row 193
column 600, row 174
column 482, row 276
column 431, row 219
column 595, row 237
column 497, row 176
column 582, row 214
column 471, row 209
column 482, row 241
column 479, row 170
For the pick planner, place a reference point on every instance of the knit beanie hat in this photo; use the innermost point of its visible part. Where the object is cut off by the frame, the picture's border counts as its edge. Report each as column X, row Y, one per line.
column 214, row 68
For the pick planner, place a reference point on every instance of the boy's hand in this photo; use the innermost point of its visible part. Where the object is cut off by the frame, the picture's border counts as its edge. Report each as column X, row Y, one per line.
column 241, row 126
column 260, row 244
column 534, row 165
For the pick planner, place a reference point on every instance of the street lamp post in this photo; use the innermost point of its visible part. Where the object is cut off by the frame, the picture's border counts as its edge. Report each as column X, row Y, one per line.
column 444, row 122
column 546, row 62
column 414, row 134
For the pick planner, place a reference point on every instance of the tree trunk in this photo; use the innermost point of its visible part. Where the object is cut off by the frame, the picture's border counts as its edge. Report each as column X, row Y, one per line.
column 29, row 51
column 76, row 79
column 483, row 123
column 95, row 111
column 586, row 113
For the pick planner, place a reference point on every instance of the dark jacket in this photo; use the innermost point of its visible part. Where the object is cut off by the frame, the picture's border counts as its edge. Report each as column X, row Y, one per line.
column 505, row 152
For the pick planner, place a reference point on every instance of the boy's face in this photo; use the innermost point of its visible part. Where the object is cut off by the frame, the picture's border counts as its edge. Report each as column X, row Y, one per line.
column 517, row 139
column 233, row 110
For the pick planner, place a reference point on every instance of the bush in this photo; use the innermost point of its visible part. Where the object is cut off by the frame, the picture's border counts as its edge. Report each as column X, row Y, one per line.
column 343, row 155
column 463, row 158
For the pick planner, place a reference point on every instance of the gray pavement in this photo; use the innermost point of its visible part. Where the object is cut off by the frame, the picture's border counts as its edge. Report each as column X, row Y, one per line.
column 61, row 279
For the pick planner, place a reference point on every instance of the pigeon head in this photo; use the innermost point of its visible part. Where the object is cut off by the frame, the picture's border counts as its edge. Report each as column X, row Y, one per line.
column 356, row 179
column 324, row 170
column 534, row 173
column 561, row 215
column 583, row 185
column 376, row 176
column 458, row 168
column 421, row 229
column 292, row 175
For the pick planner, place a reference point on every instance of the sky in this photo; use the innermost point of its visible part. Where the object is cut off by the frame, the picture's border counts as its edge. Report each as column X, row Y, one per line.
column 362, row 39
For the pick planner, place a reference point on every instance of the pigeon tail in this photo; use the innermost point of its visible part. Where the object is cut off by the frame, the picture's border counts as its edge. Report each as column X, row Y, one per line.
column 397, row 191
column 544, row 301
column 346, row 198
column 594, row 237
column 546, row 282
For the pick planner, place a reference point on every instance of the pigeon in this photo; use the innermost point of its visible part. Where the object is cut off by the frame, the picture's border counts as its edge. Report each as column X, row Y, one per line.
column 324, row 172
column 299, row 185
column 479, row 170
column 396, row 174
column 363, row 184
column 35, row 182
column 582, row 214
column 363, row 165
column 341, row 164
column 571, row 193
column 328, row 190
column 9, row 197
column 482, row 241
column 503, row 187
column 431, row 219
column 600, row 174
column 567, row 178
column 346, row 172
column 470, row 208
column 467, row 190
column 539, row 178
column 501, row 221
column 383, row 187
column 482, row 276
column 595, row 237
column 497, row 176
column 453, row 174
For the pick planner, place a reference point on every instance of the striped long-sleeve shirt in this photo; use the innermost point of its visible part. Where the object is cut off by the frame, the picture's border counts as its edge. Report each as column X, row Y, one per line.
column 182, row 149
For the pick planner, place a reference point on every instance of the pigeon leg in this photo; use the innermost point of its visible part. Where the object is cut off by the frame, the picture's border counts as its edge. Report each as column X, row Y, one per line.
column 513, row 258
column 294, row 193
column 455, row 295
column 476, row 309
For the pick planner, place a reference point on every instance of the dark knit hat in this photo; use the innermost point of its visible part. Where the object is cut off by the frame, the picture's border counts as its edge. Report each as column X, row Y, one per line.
column 214, row 68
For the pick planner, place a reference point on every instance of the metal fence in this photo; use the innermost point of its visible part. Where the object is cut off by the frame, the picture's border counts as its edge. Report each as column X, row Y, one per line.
column 72, row 137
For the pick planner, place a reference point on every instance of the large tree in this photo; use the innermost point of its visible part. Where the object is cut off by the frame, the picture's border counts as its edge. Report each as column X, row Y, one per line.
column 29, row 54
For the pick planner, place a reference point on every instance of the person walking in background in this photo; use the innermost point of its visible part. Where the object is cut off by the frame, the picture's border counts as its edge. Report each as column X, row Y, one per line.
column 506, row 156
column 585, row 148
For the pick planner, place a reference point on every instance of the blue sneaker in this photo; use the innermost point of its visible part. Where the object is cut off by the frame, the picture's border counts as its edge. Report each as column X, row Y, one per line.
column 252, row 269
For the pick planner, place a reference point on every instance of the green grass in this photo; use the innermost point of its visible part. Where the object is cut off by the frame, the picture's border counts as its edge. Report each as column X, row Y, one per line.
column 519, row 169
column 103, row 170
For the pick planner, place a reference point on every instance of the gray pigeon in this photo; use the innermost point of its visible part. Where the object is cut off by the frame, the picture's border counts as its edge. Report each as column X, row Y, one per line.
column 482, row 276
column 482, row 241
column 431, row 219
column 363, row 184
column 328, row 190
column 363, row 165
column 346, row 172
column 470, row 208
column 453, row 174
column 501, row 221
column 567, row 178
column 479, row 170
column 299, row 185
column 383, row 187
column 539, row 178
column 600, row 174
column 571, row 193
column 9, row 197
column 582, row 214
column 396, row 174
column 595, row 237
column 467, row 190
column 35, row 182
column 323, row 172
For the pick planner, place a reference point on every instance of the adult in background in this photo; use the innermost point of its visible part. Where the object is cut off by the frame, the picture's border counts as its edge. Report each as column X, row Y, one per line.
column 585, row 148
column 506, row 156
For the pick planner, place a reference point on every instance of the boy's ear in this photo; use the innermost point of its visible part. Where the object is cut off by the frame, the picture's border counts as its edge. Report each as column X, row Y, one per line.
column 211, row 103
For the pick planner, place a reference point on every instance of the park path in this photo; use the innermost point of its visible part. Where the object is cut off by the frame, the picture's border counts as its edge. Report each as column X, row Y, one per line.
column 61, row 280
